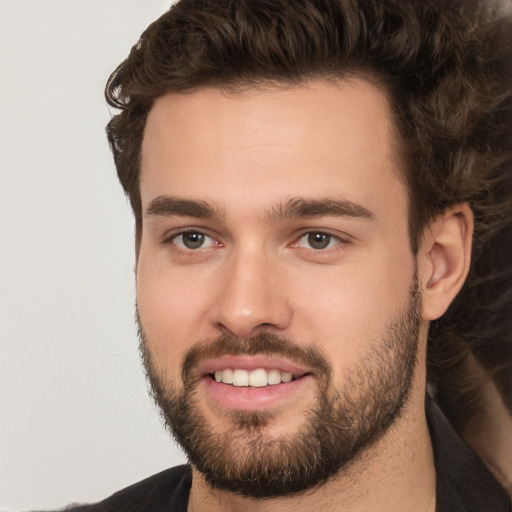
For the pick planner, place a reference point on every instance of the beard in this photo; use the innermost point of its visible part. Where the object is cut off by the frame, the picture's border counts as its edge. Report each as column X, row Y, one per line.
column 342, row 424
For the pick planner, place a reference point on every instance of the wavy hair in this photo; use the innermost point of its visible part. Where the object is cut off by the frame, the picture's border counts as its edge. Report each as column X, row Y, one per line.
column 446, row 65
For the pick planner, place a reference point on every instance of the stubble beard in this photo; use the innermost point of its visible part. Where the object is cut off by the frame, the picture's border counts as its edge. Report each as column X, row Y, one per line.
column 343, row 423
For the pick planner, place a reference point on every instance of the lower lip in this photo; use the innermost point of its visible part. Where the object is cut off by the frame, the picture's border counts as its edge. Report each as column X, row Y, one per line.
column 253, row 399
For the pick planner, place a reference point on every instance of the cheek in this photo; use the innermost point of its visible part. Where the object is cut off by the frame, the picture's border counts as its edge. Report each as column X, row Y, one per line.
column 171, row 309
column 346, row 310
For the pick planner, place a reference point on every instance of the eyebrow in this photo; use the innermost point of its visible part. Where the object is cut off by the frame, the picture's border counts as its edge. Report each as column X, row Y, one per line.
column 169, row 206
column 298, row 207
column 172, row 206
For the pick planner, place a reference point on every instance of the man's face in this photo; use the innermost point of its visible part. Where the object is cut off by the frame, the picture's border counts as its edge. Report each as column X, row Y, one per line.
column 274, row 247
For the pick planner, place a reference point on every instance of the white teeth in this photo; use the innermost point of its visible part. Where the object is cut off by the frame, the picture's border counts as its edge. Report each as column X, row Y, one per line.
column 256, row 378
column 227, row 376
column 240, row 378
column 274, row 377
column 286, row 377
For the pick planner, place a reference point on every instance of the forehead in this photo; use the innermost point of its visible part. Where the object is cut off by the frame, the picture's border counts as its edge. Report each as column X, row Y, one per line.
column 314, row 140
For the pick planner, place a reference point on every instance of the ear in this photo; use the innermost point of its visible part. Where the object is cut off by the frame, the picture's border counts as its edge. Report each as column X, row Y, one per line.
column 444, row 259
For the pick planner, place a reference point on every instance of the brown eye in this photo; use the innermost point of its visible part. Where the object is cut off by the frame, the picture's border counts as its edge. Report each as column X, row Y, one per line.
column 193, row 240
column 319, row 240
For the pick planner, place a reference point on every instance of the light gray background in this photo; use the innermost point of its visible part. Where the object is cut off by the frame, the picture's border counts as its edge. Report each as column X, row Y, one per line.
column 76, row 423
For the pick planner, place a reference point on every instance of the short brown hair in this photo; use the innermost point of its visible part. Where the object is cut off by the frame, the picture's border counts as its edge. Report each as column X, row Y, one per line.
column 446, row 65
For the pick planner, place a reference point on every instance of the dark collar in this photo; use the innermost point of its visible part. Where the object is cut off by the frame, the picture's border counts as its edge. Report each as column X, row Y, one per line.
column 464, row 484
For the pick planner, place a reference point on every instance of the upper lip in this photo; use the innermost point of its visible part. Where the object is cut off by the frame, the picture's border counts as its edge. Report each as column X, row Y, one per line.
column 250, row 363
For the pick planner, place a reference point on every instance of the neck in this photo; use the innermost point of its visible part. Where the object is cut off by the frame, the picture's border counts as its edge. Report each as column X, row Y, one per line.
column 400, row 462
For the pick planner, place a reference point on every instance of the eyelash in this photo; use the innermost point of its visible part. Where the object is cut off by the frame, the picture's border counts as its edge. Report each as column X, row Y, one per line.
column 215, row 243
column 172, row 240
column 331, row 238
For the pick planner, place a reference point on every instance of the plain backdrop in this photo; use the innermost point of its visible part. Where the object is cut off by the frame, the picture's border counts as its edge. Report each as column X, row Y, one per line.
column 76, row 422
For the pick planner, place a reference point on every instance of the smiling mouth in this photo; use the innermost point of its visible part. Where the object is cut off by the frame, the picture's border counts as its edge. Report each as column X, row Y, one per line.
column 257, row 378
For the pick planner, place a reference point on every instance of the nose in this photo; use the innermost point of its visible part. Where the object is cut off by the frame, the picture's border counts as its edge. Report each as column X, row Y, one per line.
column 251, row 296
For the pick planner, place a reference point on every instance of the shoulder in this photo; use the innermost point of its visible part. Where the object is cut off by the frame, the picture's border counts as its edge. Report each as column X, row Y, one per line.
column 464, row 484
column 167, row 490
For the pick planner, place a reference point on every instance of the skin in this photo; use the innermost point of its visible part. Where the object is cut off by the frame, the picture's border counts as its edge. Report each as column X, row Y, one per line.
column 247, row 154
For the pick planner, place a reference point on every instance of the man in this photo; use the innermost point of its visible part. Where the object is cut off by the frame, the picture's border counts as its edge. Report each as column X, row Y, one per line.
column 306, row 178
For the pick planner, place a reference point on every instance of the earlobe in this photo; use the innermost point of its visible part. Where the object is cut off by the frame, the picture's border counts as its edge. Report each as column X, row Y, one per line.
column 445, row 259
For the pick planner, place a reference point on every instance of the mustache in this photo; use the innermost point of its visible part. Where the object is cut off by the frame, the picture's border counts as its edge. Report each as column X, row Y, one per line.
column 265, row 344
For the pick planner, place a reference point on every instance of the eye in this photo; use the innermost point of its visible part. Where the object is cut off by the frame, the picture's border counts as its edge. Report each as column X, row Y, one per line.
column 317, row 240
column 192, row 240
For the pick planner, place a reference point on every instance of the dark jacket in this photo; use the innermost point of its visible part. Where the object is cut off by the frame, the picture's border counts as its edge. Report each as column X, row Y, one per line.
column 463, row 483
